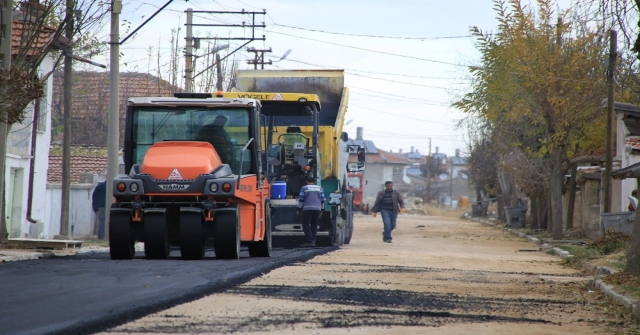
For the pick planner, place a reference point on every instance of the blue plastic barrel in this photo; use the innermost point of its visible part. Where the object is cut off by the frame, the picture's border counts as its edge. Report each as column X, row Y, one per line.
column 279, row 189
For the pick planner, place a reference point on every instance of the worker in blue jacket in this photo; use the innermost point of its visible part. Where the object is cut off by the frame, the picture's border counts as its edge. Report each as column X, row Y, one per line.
column 311, row 203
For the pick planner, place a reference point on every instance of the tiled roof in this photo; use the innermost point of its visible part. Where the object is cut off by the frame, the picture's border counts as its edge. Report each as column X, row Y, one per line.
column 382, row 157
column 79, row 164
column 416, row 155
column 91, row 91
column 459, row 160
column 369, row 147
column 633, row 142
column 26, row 29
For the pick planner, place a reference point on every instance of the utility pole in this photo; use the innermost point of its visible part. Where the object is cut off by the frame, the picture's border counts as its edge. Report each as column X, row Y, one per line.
column 188, row 67
column 429, row 174
column 218, row 73
column 5, row 55
column 113, row 135
column 613, row 54
column 66, row 140
column 258, row 59
column 451, row 179
column 244, row 25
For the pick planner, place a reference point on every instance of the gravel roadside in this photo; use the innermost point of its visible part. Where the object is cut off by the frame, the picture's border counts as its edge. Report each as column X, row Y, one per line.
column 440, row 275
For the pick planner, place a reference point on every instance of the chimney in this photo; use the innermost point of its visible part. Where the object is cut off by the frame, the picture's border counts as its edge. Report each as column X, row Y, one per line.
column 32, row 10
column 412, row 149
column 457, row 152
column 436, row 149
column 400, row 151
column 359, row 131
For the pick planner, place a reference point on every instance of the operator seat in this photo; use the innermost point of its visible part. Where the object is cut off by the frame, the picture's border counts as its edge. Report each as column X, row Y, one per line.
column 293, row 135
column 215, row 134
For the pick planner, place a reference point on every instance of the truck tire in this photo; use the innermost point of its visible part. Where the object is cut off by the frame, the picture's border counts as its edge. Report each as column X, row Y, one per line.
column 337, row 233
column 192, row 237
column 263, row 248
column 349, row 227
column 226, row 234
column 121, row 243
column 156, row 236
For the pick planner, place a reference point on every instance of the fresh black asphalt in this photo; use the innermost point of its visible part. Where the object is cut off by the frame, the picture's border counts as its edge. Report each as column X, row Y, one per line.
column 89, row 292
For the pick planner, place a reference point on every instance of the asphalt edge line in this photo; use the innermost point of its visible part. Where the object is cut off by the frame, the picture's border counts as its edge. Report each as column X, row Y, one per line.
column 596, row 271
column 110, row 320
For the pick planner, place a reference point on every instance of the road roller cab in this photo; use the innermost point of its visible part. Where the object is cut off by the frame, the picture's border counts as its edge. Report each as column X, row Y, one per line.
column 194, row 175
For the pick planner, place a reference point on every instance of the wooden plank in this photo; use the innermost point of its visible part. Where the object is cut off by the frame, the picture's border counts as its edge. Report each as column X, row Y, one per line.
column 26, row 243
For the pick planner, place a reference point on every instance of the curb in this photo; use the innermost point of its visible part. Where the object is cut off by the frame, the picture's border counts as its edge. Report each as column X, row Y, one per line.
column 14, row 255
column 596, row 270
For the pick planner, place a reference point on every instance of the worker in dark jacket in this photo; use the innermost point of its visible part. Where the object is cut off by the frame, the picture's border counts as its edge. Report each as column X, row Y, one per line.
column 389, row 203
column 98, row 200
column 311, row 203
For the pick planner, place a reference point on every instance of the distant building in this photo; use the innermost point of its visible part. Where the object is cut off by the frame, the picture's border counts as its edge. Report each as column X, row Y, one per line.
column 380, row 166
column 90, row 102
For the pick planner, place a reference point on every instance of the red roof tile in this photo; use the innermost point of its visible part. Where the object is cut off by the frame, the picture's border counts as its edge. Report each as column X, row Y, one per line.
column 90, row 93
column 24, row 32
column 633, row 142
column 79, row 164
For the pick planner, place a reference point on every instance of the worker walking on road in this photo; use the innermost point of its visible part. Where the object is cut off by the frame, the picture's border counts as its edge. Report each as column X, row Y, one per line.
column 389, row 203
column 311, row 203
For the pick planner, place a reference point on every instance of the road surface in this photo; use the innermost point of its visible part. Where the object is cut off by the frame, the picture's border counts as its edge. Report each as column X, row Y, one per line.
column 439, row 276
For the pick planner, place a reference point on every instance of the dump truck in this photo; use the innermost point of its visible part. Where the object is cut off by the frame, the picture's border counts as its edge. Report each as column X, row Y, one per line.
column 195, row 175
column 317, row 135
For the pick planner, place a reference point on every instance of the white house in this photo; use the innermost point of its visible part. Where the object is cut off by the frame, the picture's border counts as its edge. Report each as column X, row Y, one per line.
column 27, row 153
column 627, row 152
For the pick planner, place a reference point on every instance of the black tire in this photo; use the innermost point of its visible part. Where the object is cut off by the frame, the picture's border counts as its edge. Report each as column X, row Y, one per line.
column 121, row 243
column 337, row 236
column 338, row 240
column 156, row 236
column 349, row 228
column 192, row 236
column 226, row 234
column 263, row 248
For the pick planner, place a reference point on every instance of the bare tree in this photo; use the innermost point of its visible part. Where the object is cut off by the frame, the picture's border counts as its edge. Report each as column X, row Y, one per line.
column 41, row 27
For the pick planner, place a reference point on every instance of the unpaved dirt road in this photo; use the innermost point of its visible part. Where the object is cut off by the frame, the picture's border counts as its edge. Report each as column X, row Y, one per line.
column 439, row 276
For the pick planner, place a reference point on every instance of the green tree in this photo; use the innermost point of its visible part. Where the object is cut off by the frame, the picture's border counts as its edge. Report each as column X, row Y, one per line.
column 542, row 80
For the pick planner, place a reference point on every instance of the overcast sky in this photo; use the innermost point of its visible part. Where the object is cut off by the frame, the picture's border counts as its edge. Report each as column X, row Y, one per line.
column 401, row 87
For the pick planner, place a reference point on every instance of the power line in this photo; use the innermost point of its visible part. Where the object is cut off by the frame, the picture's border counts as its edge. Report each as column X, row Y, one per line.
column 415, row 101
column 371, row 72
column 370, row 50
column 383, row 79
column 391, row 101
column 248, row 5
column 383, row 94
column 373, row 36
column 435, row 61
column 402, row 82
column 402, row 116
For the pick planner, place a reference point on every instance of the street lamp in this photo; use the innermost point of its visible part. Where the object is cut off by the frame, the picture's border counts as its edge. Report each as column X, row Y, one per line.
column 283, row 56
column 214, row 50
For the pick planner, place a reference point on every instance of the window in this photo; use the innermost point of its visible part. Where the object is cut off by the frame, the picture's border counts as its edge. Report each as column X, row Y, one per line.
column 226, row 129
column 43, row 114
